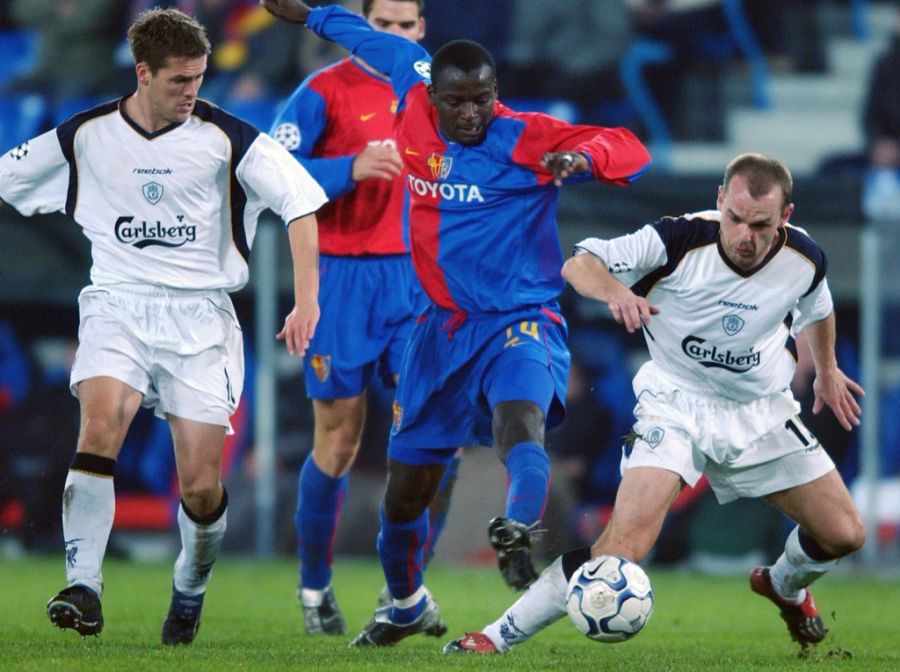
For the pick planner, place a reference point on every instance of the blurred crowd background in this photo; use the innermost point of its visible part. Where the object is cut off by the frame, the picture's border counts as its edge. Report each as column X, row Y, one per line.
column 815, row 83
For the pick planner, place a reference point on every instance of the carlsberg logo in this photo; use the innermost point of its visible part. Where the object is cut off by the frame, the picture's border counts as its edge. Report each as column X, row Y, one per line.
column 144, row 234
column 711, row 356
column 464, row 193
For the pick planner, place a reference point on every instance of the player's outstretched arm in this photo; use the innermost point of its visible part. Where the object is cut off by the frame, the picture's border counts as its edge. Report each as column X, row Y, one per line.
column 832, row 387
column 590, row 278
column 292, row 11
column 300, row 324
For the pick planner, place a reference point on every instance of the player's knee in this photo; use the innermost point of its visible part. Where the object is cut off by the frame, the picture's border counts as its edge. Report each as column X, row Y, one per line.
column 101, row 436
column 848, row 538
column 200, row 494
column 517, row 422
column 403, row 510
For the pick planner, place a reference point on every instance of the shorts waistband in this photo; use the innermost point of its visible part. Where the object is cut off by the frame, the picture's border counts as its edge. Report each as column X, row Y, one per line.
column 156, row 291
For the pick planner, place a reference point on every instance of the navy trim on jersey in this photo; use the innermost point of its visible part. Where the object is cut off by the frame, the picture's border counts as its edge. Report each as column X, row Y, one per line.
column 804, row 245
column 65, row 133
column 791, row 346
column 680, row 235
column 241, row 135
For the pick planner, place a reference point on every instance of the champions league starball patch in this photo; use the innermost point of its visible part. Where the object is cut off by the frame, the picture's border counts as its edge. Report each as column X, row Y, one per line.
column 20, row 152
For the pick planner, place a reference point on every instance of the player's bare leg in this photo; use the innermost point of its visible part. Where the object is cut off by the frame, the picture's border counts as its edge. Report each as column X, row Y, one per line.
column 338, row 430
column 829, row 529
column 202, row 522
column 518, row 428
column 404, row 528
column 107, row 409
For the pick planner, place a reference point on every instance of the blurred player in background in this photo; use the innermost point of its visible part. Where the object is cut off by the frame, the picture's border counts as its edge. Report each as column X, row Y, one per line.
column 487, row 362
column 168, row 189
column 720, row 296
column 339, row 124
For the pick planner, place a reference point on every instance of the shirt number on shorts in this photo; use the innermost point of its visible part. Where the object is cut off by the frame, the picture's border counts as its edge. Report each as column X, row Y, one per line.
column 525, row 327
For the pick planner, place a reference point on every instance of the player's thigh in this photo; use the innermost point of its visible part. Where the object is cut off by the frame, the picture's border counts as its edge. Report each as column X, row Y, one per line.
column 108, row 406
column 642, row 502
column 198, row 453
column 825, row 509
column 339, row 423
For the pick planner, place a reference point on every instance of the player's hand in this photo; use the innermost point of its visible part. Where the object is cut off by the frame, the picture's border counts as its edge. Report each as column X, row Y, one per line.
column 563, row 164
column 299, row 328
column 835, row 389
column 378, row 161
column 292, row 11
column 631, row 310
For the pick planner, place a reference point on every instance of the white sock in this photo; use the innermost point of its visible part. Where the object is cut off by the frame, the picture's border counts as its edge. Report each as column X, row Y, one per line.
column 89, row 505
column 795, row 570
column 200, row 546
column 543, row 604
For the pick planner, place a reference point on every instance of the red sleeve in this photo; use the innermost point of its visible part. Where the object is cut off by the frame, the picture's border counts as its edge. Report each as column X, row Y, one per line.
column 616, row 155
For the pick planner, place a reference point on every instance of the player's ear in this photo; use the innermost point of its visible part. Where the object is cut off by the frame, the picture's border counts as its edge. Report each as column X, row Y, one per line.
column 786, row 214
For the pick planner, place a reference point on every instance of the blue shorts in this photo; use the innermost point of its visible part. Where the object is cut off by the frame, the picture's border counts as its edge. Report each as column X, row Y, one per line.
column 450, row 381
column 368, row 308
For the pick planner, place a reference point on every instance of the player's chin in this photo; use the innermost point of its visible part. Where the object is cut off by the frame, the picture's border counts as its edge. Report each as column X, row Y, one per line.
column 470, row 136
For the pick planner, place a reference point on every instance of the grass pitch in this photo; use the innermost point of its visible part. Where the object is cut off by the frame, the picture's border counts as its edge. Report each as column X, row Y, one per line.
column 251, row 621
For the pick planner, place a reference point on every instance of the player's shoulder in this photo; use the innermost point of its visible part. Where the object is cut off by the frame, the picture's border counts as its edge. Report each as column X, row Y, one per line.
column 689, row 231
column 232, row 125
column 802, row 243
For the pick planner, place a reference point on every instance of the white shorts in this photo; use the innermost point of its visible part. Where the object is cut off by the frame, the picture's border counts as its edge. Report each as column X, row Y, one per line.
column 746, row 449
column 181, row 349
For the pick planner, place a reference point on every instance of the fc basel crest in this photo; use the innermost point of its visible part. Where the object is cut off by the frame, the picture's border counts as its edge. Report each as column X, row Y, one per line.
column 153, row 192
column 398, row 416
column 440, row 166
column 732, row 324
column 321, row 364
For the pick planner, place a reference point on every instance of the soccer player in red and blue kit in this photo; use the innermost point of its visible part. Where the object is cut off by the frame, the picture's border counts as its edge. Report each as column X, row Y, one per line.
column 339, row 124
column 487, row 362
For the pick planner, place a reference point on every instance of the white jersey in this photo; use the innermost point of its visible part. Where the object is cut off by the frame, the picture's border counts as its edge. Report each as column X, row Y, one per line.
column 721, row 329
column 175, row 208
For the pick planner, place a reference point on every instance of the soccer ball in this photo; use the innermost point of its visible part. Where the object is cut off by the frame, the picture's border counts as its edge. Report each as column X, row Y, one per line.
column 609, row 599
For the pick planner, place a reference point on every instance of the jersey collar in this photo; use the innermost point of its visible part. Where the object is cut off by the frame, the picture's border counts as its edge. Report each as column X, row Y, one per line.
column 140, row 130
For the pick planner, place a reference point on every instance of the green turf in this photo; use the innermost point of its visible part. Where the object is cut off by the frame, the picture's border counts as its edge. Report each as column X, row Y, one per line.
column 252, row 621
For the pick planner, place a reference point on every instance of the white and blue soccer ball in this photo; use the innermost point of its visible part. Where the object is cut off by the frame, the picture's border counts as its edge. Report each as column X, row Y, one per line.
column 609, row 599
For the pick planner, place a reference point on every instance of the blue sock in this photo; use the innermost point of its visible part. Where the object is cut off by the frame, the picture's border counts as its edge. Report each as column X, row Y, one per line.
column 440, row 507
column 528, row 468
column 400, row 547
column 319, row 503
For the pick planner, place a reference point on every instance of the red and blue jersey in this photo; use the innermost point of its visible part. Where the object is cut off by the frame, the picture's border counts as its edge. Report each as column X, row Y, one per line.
column 331, row 117
column 482, row 218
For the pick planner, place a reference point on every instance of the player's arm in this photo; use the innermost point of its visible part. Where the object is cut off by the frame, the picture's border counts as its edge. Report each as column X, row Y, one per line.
column 832, row 387
column 591, row 278
column 574, row 153
column 404, row 61
column 300, row 323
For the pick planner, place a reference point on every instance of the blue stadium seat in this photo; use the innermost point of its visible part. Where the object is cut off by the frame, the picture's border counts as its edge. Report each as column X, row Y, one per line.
column 18, row 53
column 67, row 107
column 21, row 118
column 259, row 112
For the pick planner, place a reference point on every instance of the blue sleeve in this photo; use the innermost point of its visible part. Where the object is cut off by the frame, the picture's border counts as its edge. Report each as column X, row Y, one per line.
column 404, row 61
column 304, row 117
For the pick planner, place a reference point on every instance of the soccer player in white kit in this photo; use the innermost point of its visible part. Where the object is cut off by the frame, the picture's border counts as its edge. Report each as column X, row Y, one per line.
column 168, row 188
column 720, row 296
